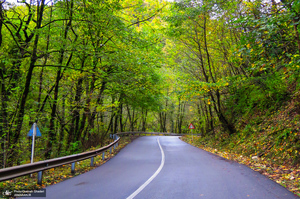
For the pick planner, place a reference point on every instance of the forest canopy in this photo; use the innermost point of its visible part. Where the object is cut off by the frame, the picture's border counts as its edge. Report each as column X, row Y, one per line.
column 85, row 69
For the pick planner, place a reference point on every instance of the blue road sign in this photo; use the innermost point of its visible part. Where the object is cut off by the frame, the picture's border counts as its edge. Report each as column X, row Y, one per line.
column 38, row 133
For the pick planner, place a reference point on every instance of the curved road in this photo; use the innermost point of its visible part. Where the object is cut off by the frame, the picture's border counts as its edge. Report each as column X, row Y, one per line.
column 166, row 167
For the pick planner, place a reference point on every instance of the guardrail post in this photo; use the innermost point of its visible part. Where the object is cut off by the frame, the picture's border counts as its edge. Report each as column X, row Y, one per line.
column 92, row 161
column 40, row 177
column 73, row 168
column 103, row 156
column 110, row 150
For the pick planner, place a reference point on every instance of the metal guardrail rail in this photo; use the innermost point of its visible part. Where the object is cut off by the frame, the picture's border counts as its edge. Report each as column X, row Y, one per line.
column 18, row 171
column 147, row 133
column 153, row 133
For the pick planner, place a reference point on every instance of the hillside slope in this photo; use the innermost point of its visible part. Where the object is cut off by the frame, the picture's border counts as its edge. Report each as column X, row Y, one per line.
column 268, row 142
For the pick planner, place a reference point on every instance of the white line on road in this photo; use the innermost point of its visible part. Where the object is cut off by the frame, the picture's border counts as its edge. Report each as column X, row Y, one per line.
column 153, row 176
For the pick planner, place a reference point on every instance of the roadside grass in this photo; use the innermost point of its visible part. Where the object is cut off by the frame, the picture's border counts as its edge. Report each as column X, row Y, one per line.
column 58, row 174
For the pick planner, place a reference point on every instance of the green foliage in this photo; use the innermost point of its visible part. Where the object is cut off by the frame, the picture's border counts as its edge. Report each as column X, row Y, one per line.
column 78, row 70
column 75, row 147
column 248, row 95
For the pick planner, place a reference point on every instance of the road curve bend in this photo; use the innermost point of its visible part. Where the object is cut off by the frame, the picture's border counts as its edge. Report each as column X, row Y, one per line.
column 165, row 167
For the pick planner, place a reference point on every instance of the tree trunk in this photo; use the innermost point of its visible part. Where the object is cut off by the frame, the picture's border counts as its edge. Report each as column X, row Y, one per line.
column 62, row 124
column 15, row 133
column 121, row 117
column 52, row 135
column 144, row 120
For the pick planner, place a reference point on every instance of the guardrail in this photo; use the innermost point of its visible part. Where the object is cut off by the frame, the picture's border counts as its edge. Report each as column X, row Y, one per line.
column 147, row 133
column 18, row 171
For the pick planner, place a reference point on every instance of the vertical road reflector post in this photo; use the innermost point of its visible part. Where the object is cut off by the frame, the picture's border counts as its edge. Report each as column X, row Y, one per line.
column 73, row 168
column 40, row 177
column 92, row 161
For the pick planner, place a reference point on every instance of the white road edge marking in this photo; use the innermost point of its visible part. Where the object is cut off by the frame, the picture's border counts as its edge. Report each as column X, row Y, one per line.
column 153, row 176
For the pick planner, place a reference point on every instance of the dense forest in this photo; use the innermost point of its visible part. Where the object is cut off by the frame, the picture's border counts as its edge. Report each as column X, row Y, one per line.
column 85, row 69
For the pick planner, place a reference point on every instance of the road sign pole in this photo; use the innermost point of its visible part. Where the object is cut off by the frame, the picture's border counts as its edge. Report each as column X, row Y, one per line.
column 32, row 146
column 33, row 139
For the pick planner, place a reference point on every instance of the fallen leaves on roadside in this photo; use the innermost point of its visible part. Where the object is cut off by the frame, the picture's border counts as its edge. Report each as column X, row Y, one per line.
column 285, row 175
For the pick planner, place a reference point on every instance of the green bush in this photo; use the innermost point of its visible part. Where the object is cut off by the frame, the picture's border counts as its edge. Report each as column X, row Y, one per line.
column 263, row 92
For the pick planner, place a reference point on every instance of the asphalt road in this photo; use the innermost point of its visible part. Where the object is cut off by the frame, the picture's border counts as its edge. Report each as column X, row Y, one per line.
column 166, row 167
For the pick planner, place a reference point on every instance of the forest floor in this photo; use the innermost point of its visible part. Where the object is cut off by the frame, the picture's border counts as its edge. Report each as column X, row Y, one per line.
column 267, row 142
column 58, row 174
